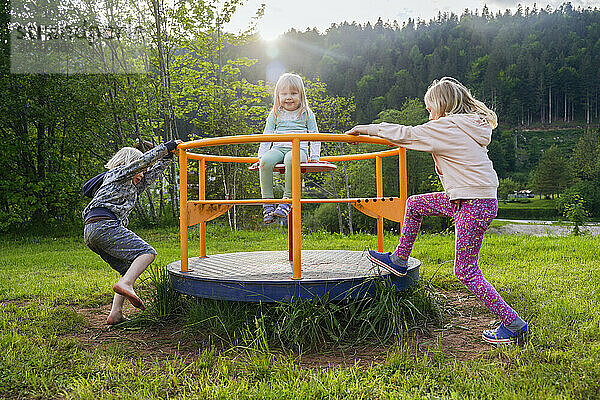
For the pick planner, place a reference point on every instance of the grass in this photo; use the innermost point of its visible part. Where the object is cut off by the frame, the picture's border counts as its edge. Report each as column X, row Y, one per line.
column 553, row 282
column 318, row 323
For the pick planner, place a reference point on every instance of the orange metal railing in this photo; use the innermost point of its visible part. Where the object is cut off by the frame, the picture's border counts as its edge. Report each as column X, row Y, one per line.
column 202, row 210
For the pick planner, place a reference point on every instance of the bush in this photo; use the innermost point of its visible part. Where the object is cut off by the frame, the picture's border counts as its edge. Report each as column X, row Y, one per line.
column 324, row 217
column 589, row 191
column 507, row 186
column 528, row 213
column 575, row 212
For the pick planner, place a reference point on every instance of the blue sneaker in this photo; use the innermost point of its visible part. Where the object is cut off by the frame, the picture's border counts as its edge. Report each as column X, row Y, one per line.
column 282, row 210
column 384, row 260
column 268, row 216
column 501, row 335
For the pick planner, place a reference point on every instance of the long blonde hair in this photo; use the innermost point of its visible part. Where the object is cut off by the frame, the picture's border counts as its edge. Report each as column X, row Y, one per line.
column 290, row 81
column 125, row 156
column 448, row 96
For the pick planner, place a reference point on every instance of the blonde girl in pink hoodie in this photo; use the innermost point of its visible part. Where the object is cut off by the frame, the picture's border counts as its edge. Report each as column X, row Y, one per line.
column 457, row 134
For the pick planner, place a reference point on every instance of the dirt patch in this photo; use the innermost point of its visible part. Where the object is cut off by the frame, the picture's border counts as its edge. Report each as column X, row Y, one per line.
column 459, row 337
column 152, row 342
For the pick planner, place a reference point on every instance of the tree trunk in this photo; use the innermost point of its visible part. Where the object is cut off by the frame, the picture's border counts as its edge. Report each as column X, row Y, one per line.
column 140, row 210
column 587, row 106
column 596, row 112
column 565, row 112
column 542, row 110
column 225, row 188
column 161, row 204
column 339, row 211
column 112, row 94
column 550, row 105
column 166, row 106
column 151, row 206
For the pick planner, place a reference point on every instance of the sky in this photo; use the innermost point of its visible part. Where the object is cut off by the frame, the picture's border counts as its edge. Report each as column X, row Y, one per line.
column 282, row 15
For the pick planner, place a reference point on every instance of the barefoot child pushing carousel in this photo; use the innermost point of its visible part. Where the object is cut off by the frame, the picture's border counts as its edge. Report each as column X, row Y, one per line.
column 105, row 232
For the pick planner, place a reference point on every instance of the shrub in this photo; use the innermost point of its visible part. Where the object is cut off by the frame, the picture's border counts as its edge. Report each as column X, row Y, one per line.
column 507, row 186
column 575, row 212
column 528, row 213
column 589, row 191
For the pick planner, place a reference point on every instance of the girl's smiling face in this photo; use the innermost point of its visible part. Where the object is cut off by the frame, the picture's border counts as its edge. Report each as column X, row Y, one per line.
column 289, row 99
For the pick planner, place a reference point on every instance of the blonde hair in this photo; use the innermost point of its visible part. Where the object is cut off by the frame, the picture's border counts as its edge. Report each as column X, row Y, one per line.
column 125, row 156
column 290, row 81
column 448, row 96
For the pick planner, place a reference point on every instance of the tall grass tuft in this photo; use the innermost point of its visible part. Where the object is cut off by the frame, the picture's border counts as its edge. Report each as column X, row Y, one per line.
column 165, row 302
column 303, row 324
column 255, row 349
column 379, row 318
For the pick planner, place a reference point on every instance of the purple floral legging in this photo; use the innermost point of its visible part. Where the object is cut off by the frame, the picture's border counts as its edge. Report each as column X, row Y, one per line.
column 471, row 218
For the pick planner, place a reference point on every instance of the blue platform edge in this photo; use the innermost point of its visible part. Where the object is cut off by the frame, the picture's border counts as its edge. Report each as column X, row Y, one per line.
column 289, row 291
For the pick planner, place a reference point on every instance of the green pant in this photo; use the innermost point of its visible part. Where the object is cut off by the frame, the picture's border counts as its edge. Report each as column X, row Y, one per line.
column 267, row 163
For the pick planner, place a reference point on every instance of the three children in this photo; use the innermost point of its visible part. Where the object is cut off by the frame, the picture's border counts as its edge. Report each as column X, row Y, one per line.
column 457, row 134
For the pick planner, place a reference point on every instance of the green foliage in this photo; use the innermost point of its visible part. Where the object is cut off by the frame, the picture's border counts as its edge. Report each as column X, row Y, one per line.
column 59, row 130
column 431, row 184
column 552, row 174
column 574, row 211
column 589, row 191
column 585, row 160
column 507, row 186
column 325, row 218
column 526, row 65
column 50, row 153
column 412, row 113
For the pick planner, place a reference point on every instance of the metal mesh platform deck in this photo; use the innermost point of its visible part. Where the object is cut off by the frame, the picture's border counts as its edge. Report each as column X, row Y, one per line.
column 267, row 276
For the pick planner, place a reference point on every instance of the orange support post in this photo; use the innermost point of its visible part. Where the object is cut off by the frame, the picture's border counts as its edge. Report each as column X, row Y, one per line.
column 183, row 211
column 296, row 193
column 290, row 222
column 402, row 181
column 202, row 196
column 379, row 179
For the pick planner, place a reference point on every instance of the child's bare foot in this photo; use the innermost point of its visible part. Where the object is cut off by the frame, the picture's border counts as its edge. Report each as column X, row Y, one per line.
column 116, row 318
column 129, row 293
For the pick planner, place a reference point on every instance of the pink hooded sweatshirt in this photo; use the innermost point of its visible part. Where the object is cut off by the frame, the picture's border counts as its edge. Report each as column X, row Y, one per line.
column 458, row 145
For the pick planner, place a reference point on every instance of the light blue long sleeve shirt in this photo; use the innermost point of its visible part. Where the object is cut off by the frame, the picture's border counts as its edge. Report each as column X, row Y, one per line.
column 306, row 123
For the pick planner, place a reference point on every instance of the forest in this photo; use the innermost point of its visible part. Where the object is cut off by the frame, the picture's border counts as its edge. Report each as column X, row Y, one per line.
column 533, row 66
column 538, row 68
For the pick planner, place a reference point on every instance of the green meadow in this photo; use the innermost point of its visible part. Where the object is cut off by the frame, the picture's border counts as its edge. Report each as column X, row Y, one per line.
column 54, row 292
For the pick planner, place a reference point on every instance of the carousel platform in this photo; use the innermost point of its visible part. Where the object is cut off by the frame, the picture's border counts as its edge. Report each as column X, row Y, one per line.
column 266, row 276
